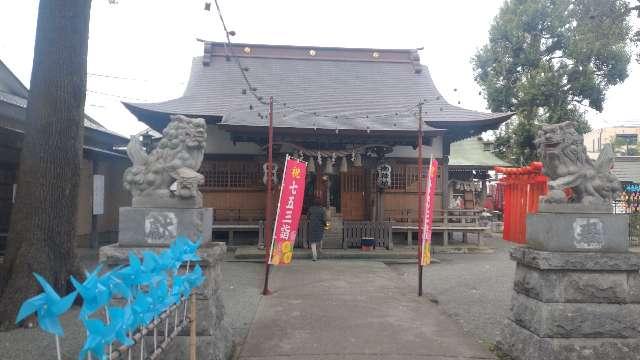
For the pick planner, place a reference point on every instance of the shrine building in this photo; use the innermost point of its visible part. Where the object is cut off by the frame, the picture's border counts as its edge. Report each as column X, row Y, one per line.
column 345, row 110
column 97, row 218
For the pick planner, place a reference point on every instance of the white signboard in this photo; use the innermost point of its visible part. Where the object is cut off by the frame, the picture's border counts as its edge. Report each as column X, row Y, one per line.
column 98, row 194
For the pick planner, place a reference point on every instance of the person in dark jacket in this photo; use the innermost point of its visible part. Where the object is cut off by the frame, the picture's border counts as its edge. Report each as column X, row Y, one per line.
column 317, row 222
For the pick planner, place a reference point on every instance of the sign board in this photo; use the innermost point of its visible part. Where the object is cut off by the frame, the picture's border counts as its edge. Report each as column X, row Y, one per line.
column 98, row 194
column 427, row 213
column 160, row 227
column 289, row 209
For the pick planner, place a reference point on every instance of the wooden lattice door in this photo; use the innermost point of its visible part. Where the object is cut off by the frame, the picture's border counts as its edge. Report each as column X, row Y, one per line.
column 352, row 197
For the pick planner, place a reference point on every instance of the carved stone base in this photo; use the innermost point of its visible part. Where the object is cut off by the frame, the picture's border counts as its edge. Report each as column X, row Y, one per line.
column 160, row 226
column 597, row 208
column 165, row 199
column 578, row 232
column 214, row 335
column 573, row 305
column 522, row 344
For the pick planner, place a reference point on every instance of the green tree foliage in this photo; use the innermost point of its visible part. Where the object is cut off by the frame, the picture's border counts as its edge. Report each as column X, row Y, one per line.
column 625, row 147
column 547, row 60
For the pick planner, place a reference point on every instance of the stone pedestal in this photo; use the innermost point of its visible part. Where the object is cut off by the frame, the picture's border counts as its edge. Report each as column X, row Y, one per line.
column 580, row 232
column 214, row 336
column 160, row 226
column 574, row 305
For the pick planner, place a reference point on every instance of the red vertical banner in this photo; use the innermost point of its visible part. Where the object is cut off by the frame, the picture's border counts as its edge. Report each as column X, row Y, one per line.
column 427, row 213
column 289, row 209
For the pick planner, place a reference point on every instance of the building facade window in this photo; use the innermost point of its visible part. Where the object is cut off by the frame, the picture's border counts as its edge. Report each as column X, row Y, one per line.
column 404, row 177
column 232, row 175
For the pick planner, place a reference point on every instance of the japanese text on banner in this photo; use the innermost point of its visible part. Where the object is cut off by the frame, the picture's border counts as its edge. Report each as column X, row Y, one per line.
column 427, row 213
column 288, row 214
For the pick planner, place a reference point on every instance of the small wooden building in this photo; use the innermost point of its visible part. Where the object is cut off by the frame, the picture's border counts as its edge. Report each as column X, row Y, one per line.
column 469, row 164
column 345, row 110
column 99, row 158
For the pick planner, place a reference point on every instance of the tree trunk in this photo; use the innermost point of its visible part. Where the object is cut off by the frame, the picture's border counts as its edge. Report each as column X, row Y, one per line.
column 42, row 229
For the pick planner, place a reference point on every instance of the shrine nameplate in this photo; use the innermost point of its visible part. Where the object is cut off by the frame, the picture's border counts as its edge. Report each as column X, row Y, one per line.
column 578, row 232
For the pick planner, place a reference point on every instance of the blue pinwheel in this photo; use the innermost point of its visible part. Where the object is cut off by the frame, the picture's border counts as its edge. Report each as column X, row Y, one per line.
column 186, row 249
column 181, row 287
column 153, row 265
column 169, row 260
column 129, row 321
column 94, row 295
column 142, row 309
column 133, row 274
column 100, row 335
column 120, row 319
column 162, row 298
column 195, row 278
column 116, row 286
column 48, row 306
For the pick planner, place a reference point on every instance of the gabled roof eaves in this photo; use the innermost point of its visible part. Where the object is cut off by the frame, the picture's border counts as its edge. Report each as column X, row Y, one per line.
column 325, row 87
column 88, row 121
column 470, row 153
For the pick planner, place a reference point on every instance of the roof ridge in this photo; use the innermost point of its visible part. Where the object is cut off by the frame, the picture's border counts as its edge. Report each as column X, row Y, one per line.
column 246, row 50
column 310, row 47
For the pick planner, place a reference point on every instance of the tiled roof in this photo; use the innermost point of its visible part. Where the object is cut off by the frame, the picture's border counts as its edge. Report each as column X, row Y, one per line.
column 13, row 92
column 12, row 99
column 471, row 153
column 335, row 81
column 88, row 121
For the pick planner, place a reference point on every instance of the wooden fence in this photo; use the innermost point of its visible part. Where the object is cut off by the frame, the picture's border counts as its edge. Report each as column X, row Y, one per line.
column 354, row 231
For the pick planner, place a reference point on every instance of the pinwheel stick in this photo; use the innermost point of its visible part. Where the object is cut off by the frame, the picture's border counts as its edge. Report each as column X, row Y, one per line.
column 192, row 333
column 168, row 340
column 137, row 338
column 58, row 348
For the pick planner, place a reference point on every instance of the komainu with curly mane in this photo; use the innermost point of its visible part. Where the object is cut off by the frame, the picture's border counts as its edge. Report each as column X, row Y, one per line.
column 168, row 176
column 567, row 165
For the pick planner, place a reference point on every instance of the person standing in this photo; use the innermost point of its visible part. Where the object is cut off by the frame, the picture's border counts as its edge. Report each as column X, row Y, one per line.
column 317, row 222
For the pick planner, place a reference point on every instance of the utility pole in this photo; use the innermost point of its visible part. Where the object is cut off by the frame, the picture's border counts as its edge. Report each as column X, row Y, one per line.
column 420, row 199
column 269, row 208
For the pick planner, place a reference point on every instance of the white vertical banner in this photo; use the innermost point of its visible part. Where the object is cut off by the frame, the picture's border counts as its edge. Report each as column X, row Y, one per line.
column 98, row 194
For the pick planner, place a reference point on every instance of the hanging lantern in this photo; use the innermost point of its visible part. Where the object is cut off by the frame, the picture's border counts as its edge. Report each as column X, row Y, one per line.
column 343, row 165
column 329, row 167
column 357, row 160
column 311, row 167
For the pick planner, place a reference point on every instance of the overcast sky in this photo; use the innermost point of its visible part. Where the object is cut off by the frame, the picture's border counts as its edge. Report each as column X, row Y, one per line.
column 141, row 50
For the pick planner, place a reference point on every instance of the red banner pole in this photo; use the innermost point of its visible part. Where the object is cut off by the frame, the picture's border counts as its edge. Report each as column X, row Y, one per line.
column 269, row 211
column 420, row 196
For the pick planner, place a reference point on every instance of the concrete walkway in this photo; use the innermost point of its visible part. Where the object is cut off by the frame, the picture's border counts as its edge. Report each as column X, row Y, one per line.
column 351, row 310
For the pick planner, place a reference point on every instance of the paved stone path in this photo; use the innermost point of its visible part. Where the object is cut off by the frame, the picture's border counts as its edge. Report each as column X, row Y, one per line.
column 351, row 310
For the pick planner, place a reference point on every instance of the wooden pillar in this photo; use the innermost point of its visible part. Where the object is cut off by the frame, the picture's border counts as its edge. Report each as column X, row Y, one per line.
column 483, row 191
column 380, row 206
column 446, row 150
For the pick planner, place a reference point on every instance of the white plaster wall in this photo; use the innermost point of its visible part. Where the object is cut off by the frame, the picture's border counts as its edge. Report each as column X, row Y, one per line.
column 219, row 142
column 409, row 152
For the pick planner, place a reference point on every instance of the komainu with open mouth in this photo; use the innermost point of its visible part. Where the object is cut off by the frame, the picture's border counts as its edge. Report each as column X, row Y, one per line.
column 564, row 156
column 169, row 176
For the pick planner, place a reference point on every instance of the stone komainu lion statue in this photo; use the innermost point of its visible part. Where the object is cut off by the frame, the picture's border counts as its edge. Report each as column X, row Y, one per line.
column 168, row 176
column 567, row 165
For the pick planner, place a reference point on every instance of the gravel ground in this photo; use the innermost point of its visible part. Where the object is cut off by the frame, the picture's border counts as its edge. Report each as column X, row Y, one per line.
column 241, row 285
column 473, row 289
column 242, row 282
